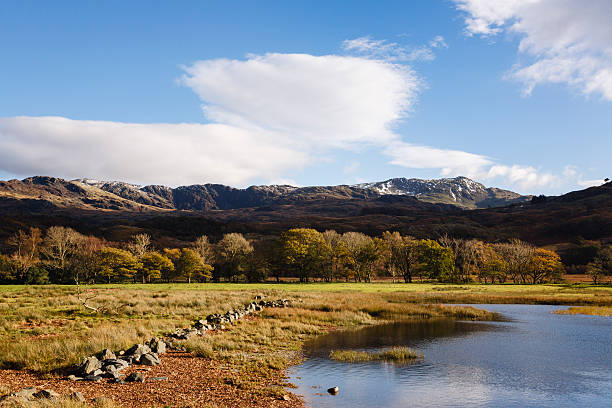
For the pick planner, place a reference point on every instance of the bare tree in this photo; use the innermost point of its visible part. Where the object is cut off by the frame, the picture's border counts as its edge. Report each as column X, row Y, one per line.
column 27, row 248
column 140, row 245
column 60, row 243
column 203, row 247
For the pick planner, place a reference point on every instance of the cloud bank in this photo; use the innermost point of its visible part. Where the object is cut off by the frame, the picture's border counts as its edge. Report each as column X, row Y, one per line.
column 564, row 41
column 267, row 115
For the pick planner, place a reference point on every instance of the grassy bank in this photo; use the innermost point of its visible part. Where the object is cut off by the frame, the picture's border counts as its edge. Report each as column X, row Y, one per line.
column 587, row 310
column 45, row 329
column 395, row 354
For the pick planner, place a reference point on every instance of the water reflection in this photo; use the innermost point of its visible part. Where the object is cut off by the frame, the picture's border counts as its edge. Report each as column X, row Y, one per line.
column 536, row 359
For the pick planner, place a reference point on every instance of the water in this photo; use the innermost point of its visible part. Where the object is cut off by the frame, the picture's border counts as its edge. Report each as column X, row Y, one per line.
column 532, row 359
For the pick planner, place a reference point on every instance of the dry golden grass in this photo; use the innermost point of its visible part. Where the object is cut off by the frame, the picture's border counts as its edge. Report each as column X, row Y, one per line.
column 587, row 310
column 395, row 354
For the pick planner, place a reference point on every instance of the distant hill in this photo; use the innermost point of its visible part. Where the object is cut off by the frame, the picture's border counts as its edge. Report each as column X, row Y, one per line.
column 91, row 194
column 459, row 191
column 117, row 210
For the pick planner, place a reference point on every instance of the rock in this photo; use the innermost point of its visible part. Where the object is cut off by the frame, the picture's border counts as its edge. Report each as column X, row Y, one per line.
column 158, row 346
column 26, row 393
column 106, row 354
column 46, row 394
column 135, row 377
column 77, row 396
column 118, row 381
column 158, row 378
column 89, row 365
column 97, row 373
column 93, row 378
column 333, row 390
column 149, row 359
column 118, row 363
column 137, row 350
column 73, row 377
column 286, row 397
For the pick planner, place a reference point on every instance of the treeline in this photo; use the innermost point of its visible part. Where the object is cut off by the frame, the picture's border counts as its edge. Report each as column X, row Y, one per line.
column 62, row 255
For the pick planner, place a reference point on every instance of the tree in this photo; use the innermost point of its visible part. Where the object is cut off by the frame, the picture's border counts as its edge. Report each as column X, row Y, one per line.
column 84, row 260
column 139, row 245
column 116, row 263
column 406, row 256
column 337, row 256
column 601, row 265
column 544, row 265
column 59, row 247
column 173, row 254
column 232, row 252
column 203, row 247
column 8, row 270
column 191, row 265
column 364, row 252
column 517, row 256
column 304, row 251
column 27, row 248
column 436, row 260
column 492, row 266
column 154, row 266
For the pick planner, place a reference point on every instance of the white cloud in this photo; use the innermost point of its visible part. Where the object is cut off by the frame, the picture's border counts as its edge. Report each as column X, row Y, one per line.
column 590, row 183
column 566, row 41
column 392, row 51
column 144, row 153
column 269, row 115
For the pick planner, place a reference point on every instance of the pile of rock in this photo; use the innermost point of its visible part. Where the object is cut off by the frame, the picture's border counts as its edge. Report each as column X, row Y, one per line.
column 218, row 321
column 108, row 364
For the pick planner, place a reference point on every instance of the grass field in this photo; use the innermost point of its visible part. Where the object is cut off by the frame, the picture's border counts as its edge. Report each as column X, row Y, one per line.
column 45, row 329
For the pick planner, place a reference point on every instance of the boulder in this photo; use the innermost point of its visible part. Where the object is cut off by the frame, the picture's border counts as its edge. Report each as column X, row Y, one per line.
column 137, row 350
column 26, row 393
column 135, row 377
column 106, row 354
column 89, row 365
column 150, row 359
column 93, row 378
column 157, row 346
column 73, row 377
column 118, row 363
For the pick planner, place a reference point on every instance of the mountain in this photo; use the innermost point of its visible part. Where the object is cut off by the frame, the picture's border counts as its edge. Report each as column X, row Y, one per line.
column 459, row 191
column 174, row 216
column 92, row 194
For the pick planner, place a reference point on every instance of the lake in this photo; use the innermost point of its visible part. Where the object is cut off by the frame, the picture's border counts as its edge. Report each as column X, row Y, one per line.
column 532, row 358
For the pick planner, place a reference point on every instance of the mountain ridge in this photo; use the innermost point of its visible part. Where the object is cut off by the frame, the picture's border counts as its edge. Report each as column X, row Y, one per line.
column 116, row 195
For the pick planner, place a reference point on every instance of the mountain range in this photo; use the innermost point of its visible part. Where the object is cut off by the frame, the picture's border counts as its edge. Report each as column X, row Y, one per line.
column 92, row 194
column 421, row 208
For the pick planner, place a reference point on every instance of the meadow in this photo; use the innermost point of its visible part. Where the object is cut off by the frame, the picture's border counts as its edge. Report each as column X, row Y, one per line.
column 44, row 330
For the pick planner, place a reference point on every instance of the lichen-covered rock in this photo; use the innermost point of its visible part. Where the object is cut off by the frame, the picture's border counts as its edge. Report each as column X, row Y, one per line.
column 137, row 350
column 106, row 354
column 89, row 365
column 150, row 359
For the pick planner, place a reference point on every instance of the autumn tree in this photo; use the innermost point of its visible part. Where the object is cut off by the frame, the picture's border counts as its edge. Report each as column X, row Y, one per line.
column 116, row 263
column 304, row 251
column 491, row 266
column 154, row 266
column 190, row 265
column 436, row 260
column 364, row 252
column 544, row 265
column 173, row 254
column 336, row 258
column 517, row 255
column 231, row 255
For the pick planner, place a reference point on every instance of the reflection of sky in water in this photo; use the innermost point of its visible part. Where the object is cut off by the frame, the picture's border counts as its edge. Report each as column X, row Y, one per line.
column 537, row 359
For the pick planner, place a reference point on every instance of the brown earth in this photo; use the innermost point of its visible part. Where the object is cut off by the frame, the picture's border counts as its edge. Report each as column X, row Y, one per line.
column 192, row 382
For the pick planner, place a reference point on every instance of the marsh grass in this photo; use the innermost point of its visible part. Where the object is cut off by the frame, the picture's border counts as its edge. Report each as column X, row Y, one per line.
column 394, row 354
column 587, row 310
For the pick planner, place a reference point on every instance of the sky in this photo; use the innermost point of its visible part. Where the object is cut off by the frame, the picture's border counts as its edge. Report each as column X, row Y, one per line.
column 515, row 94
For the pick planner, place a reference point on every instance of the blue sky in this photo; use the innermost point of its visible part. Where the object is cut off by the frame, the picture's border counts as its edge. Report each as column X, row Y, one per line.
column 497, row 91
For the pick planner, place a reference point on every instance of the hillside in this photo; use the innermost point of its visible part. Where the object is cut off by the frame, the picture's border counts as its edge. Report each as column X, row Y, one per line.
column 117, row 210
column 91, row 194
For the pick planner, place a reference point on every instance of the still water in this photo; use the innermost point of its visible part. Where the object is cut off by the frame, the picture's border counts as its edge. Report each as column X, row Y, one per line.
column 533, row 358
